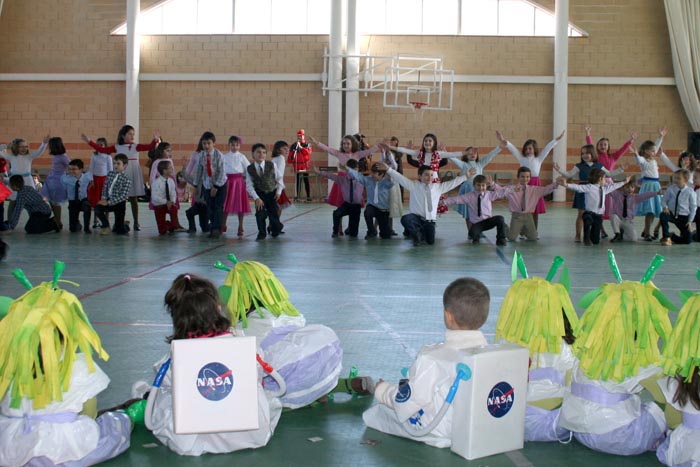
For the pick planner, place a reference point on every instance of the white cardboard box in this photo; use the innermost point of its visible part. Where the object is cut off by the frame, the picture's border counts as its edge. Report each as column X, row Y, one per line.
column 489, row 408
column 214, row 385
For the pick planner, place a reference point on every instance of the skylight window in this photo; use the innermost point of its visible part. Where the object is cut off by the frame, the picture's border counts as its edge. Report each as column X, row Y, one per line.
column 375, row 17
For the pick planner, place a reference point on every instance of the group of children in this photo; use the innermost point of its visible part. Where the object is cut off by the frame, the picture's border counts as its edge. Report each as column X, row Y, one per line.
column 575, row 389
column 224, row 184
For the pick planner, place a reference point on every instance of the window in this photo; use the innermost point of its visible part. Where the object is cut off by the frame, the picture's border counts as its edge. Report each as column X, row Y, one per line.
column 395, row 17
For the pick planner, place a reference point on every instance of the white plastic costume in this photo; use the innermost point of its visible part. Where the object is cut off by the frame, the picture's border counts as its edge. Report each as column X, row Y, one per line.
column 269, row 410
column 547, row 380
column 58, row 432
column 610, row 417
column 417, row 400
column 309, row 358
column 682, row 446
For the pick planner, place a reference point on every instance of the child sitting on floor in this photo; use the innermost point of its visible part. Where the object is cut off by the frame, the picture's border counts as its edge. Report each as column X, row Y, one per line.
column 49, row 382
column 420, row 396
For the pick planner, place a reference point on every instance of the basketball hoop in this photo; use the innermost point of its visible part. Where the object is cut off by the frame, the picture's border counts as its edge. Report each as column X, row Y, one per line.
column 418, row 109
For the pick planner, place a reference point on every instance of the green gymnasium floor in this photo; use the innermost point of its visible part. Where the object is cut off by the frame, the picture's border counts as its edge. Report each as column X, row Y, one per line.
column 382, row 297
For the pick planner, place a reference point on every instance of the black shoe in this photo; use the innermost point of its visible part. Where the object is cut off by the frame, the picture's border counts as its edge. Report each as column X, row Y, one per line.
column 394, row 234
column 616, row 238
column 261, row 236
column 334, row 235
column 501, row 242
column 603, row 235
column 137, row 227
column 370, row 235
column 347, row 231
column 87, row 230
column 214, row 234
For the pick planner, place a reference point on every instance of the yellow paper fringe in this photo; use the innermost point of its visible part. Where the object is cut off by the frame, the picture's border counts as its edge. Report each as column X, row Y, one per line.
column 682, row 353
column 42, row 332
column 531, row 315
column 620, row 331
column 254, row 285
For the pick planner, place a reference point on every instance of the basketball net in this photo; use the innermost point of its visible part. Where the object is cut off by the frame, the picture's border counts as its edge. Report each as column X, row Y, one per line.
column 418, row 110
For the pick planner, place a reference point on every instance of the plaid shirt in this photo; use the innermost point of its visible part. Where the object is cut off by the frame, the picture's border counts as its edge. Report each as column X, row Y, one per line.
column 116, row 191
column 30, row 199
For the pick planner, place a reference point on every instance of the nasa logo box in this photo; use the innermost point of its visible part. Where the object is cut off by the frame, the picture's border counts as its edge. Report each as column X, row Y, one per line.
column 215, row 385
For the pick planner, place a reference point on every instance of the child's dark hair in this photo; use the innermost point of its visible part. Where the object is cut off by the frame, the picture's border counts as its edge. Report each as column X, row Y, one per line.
column 376, row 169
column 533, row 143
column 122, row 158
column 206, row 136
column 102, row 141
column 645, row 146
column 162, row 166
column 568, row 336
column 194, row 305
column 16, row 182
column 522, row 170
column 235, row 139
column 360, row 138
column 122, row 132
column 468, row 300
column 352, row 164
column 157, row 152
column 435, row 141
column 277, row 148
column 77, row 163
column 56, row 146
column 687, row 155
column 479, row 179
column 423, row 168
column 688, row 391
column 590, row 149
column 256, row 146
column 595, row 175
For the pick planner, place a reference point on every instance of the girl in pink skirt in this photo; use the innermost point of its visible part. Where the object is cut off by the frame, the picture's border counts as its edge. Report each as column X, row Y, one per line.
column 235, row 165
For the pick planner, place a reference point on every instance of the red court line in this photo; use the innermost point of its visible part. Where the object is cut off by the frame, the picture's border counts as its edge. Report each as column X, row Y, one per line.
column 172, row 263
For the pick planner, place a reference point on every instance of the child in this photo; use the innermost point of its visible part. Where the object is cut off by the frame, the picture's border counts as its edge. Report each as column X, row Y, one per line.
column 679, row 205
column 163, row 153
column 50, row 382
column 479, row 205
column 471, row 161
column 420, row 396
column 650, row 208
column 594, row 202
column 423, row 203
column 100, row 166
column 264, row 186
column 589, row 161
column 280, row 152
column 522, row 202
column 602, row 149
column 548, row 331
column 76, row 185
column 300, row 157
column 199, row 206
column 53, row 189
column 235, row 165
column 624, row 206
column 40, row 220
column 349, row 149
column 125, row 145
column 114, row 196
column 681, row 388
column 395, row 194
column 532, row 158
column 21, row 160
column 163, row 196
column 183, row 193
column 210, row 180
column 194, row 305
column 378, row 187
column 617, row 348
column 352, row 194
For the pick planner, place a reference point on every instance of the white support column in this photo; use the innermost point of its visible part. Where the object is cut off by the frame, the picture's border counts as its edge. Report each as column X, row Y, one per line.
column 561, row 91
column 352, row 70
column 133, row 62
column 335, row 73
